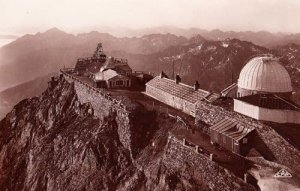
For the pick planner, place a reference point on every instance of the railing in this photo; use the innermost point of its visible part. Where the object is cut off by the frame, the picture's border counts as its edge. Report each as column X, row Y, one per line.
column 101, row 92
column 179, row 119
column 198, row 149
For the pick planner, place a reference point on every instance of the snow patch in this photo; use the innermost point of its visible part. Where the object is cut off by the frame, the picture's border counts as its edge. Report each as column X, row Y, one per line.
column 225, row 45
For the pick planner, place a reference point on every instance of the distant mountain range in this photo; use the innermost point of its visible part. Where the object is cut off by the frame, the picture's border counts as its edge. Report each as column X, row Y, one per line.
column 35, row 55
column 214, row 63
column 262, row 38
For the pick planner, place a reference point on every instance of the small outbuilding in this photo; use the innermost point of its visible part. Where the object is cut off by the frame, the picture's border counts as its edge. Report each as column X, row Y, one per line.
column 115, row 73
column 111, row 79
column 232, row 135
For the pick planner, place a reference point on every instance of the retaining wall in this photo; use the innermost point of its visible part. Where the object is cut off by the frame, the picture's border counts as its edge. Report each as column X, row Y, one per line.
column 100, row 100
column 179, row 156
column 104, row 105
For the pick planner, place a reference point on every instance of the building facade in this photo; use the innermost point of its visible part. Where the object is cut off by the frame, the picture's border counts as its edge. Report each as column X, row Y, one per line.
column 115, row 73
column 176, row 94
column 268, row 107
column 111, row 79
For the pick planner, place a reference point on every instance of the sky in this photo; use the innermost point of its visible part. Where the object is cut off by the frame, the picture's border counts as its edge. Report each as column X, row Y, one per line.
column 25, row 16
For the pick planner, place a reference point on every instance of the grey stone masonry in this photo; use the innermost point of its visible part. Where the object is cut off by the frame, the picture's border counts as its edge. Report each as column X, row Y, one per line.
column 178, row 156
column 101, row 101
column 104, row 105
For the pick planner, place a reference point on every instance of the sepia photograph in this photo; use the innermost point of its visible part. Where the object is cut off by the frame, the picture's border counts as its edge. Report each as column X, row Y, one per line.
column 150, row 95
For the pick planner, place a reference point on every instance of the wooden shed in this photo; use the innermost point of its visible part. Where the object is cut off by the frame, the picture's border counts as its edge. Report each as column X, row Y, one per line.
column 232, row 135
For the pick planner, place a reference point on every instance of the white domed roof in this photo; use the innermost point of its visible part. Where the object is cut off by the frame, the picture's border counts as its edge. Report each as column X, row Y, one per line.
column 265, row 74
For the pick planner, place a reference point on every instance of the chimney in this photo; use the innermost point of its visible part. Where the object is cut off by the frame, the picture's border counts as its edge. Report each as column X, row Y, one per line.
column 177, row 79
column 162, row 74
column 196, row 86
column 50, row 86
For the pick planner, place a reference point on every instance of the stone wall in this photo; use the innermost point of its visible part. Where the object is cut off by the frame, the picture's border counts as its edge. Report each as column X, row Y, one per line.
column 282, row 150
column 179, row 157
column 103, row 106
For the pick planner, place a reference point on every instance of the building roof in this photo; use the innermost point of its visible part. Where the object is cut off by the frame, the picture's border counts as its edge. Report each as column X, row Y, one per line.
column 265, row 74
column 181, row 90
column 270, row 101
column 123, row 77
column 105, row 75
column 122, row 68
column 228, row 89
column 231, row 128
column 117, row 65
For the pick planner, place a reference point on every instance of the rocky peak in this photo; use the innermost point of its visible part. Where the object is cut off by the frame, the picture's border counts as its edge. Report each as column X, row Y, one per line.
column 54, row 31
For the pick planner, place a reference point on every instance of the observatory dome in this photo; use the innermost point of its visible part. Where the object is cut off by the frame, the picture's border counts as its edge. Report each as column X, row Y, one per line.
column 265, row 74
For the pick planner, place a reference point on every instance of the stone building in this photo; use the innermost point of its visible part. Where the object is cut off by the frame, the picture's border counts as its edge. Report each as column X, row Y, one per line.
column 176, row 94
column 111, row 79
column 90, row 65
column 232, row 135
column 106, row 72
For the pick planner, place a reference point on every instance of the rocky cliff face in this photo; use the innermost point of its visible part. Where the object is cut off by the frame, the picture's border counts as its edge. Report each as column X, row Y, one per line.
column 55, row 142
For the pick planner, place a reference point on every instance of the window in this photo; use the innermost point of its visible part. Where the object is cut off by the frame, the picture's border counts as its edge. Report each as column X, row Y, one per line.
column 119, row 83
column 245, row 140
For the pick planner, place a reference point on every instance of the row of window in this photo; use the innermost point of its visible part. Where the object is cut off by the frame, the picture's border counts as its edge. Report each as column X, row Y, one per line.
column 125, row 83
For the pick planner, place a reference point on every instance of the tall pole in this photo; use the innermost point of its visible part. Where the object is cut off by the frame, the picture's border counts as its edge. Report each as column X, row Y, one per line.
column 180, row 66
column 173, row 68
column 231, row 72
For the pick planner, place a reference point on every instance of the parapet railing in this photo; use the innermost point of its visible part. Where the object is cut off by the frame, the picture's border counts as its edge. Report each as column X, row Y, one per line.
column 178, row 118
column 203, row 152
column 198, row 149
column 101, row 92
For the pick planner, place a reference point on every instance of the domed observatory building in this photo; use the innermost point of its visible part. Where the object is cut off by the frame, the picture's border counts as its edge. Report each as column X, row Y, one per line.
column 263, row 91
column 264, row 75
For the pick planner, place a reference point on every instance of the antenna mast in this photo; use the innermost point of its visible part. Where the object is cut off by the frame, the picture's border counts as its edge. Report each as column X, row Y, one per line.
column 173, row 68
